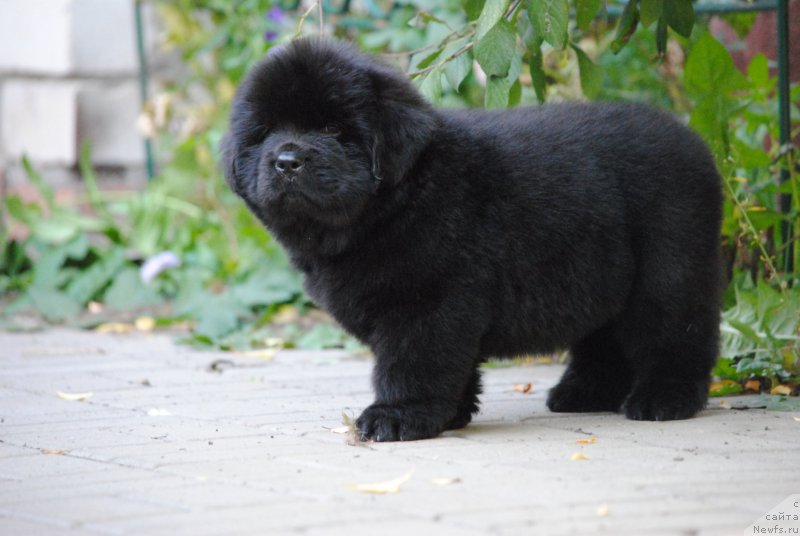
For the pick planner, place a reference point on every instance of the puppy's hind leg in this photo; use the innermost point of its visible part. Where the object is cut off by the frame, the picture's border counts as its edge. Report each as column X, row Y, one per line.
column 469, row 403
column 672, row 337
column 598, row 377
column 673, row 369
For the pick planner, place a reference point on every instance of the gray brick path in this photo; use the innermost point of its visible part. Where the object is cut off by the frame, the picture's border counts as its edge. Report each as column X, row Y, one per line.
column 164, row 446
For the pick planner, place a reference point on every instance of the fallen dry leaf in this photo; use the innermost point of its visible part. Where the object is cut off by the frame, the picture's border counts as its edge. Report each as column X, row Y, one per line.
column 752, row 385
column 352, row 436
column 524, row 388
column 590, row 441
column 265, row 355
column 781, row 390
column 717, row 387
column 274, row 343
column 74, row 397
column 578, row 456
column 145, row 323
column 286, row 314
column 51, row 452
column 797, row 419
column 602, row 510
column 445, row 481
column 340, row 430
column 724, row 404
column 114, row 327
column 381, row 488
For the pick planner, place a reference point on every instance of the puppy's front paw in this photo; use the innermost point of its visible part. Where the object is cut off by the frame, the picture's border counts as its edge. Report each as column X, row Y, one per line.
column 399, row 422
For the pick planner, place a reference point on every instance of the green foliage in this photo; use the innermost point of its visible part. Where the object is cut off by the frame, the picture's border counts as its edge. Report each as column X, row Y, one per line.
column 233, row 280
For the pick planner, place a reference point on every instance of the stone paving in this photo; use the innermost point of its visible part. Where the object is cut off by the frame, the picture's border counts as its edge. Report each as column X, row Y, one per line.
column 166, row 444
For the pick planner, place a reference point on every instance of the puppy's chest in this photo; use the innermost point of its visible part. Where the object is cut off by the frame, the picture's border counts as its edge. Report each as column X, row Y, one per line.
column 350, row 296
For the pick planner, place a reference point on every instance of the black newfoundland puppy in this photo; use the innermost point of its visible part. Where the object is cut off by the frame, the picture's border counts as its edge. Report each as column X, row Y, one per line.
column 440, row 238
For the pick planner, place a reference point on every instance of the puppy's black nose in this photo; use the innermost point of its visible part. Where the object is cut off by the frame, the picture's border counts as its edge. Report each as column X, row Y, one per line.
column 288, row 163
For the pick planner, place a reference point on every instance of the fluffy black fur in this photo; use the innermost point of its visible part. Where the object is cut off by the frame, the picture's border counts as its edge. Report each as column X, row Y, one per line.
column 440, row 238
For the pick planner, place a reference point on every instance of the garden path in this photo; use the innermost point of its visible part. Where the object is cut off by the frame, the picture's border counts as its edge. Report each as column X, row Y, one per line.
column 178, row 441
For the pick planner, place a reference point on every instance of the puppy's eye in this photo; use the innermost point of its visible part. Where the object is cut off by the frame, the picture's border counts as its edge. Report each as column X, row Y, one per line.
column 331, row 130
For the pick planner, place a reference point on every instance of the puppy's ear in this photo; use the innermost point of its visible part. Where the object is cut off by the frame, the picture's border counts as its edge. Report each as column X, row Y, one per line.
column 239, row 148
column 405, row 124
column 227, row 160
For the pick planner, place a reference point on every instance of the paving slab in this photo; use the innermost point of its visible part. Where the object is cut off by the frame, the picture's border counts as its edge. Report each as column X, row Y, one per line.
column 165, row 445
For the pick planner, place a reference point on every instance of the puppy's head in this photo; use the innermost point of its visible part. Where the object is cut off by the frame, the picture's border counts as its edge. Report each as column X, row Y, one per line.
column 318, row 128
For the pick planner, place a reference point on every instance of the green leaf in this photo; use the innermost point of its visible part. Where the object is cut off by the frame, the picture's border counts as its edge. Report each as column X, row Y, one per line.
column 50, row 231
column 551, row 18
column 47, row 267
column 41, row 185
column 627, row 26
column 457, row 69
column 495, row 51
column 515, row 94
column 431, row 86
column 538, row 77
column 127, row 291
column 267, row 287
column 54, row 305
column 781, row 403
column 650, row 11
column 585, row 10
column 591, row 73
column 473, row 8
column 661, row 37
column 498, row 90
column 758, row 72
column 422, row 60
column 710, row 69
column 493, row 11
column 92, row 280
column 322, row 336
column 215, row 322
column 679, row 14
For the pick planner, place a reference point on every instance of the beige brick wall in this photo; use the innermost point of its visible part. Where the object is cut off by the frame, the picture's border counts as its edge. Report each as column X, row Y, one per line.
column 68, row 73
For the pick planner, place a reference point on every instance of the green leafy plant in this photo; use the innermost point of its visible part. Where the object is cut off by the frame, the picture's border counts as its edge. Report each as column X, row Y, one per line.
column 234, row 286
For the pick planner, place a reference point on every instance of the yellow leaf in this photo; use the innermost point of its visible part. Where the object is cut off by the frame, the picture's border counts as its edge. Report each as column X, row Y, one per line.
column 145, row 323
column 602, row 510
column 381, row 488
column 590, row 441
column 114, row 327
column 578, row 456
column 524, row 388
column 716, row 387
column 781, row 390
column 286, row 314
column 752, row 385
column 265, row 355
column 445, row 481
column 797, row 419
column 74, row 397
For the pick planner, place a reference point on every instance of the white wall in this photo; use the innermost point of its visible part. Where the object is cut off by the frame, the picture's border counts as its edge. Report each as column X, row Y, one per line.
column 68, row 72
